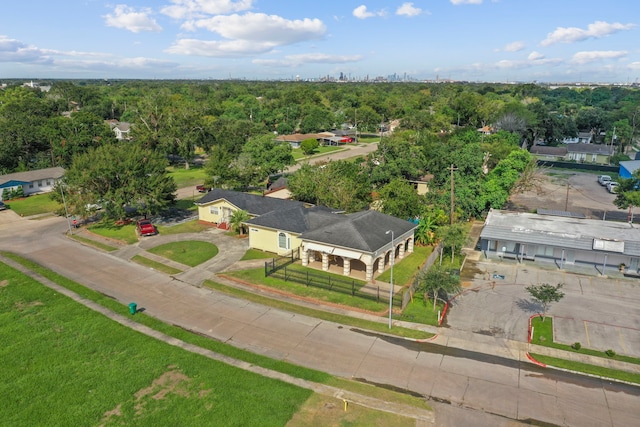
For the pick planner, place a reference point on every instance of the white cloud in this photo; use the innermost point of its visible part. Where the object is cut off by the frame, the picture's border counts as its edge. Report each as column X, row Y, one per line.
column 361, row 12
column 127, row 18
column 260, row 27
column 189, row 9
column 513, row 47
column 308, row 58
column 247, row 34
column 457, row 2
column 408, row 9
column 586, row 57
column 596, row 30
column 535, row 56
column 213, row 48
column 635, row 65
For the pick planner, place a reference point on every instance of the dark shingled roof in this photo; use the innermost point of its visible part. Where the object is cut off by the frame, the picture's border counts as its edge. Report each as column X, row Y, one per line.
column 364, row 231
column 297, row 219
column 253, row 204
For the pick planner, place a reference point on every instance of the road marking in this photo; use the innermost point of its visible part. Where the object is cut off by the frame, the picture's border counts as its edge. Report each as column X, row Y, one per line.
column 624, row 347
column 586, row 331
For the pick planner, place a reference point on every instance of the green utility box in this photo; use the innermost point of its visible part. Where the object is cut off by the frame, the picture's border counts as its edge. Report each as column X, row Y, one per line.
column 133, row 308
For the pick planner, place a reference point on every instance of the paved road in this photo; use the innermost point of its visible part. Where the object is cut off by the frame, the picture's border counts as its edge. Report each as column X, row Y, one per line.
column 484, row 382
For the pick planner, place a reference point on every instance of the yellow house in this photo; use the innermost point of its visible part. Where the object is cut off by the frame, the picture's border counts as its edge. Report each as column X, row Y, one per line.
column 279, row 231
column 365, row 241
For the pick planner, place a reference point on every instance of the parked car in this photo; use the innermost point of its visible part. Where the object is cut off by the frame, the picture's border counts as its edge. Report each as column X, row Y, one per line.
column 145, row 227
column 611, row 186
column 202, row 189
column 604, row 179
column 2, row 206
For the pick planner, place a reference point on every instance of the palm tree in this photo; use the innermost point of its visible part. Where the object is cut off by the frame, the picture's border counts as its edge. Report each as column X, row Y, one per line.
column 237, row 220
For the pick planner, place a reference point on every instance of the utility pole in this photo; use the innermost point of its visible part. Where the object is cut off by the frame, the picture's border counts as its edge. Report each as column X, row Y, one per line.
column 566, row 199
column 451, row 169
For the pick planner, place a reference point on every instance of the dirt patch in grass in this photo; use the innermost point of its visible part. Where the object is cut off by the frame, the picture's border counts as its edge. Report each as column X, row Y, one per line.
column 172, row 382
column 4, row 283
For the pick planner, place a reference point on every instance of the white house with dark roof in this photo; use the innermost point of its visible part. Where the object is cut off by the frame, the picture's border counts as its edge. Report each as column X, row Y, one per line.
column 561, row 240
column 32, row 182
column 357, row 241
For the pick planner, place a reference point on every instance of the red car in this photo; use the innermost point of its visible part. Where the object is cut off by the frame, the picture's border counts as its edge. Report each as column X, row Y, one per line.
column 146, row 228
column 201, row 188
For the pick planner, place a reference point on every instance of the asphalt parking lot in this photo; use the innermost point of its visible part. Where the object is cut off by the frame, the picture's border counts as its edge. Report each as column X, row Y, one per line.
column 599, row 312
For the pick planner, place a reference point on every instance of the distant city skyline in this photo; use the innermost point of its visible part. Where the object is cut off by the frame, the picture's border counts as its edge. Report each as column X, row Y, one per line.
column 459, row 40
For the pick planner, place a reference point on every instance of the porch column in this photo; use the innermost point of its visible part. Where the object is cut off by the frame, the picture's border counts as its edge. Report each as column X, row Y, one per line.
column 381, row 264
column 401, row 254
column 325, row 262
column 411, row 245
column 346, row 270
column 305, row 257
column 369, row 273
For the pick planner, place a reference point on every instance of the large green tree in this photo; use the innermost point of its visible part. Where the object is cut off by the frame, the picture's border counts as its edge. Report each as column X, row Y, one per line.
column 120, row 177
column 436, row 281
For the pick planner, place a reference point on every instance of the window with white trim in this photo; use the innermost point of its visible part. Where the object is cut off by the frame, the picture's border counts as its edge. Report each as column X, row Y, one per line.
column 214, row 210
column 283, row 241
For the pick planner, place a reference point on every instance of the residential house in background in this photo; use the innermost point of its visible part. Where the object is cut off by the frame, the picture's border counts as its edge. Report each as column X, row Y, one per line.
column 551, row 154
column 590, row 153
column 579, row 152
column 32, row 182
column 121, row 129
column 581, row 138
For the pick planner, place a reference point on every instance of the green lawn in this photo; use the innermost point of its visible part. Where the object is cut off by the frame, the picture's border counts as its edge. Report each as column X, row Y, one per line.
column 405, row 270
column 187, row 204
column 421, row 311
column 34, row 205
column 187, row 252
column 543, row 335
column 125, row 233
column 587, row 369
column 256, row 254
column 187, row 177
column 185, row 227
column 66, row 365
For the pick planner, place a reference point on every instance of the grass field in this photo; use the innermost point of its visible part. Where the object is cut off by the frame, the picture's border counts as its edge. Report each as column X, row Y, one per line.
column 186, row 227
column 155, row 265
column 406, row 269
column 187, row 177
column 256, row 254
column 187, row 252
column 66, row 365
column 34, row 205
column 125, row 233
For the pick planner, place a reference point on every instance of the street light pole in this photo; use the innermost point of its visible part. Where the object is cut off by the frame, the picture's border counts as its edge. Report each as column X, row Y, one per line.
column 392, row 260
column 66, row 212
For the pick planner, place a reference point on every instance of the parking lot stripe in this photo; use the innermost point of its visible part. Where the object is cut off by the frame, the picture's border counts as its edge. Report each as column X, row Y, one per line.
column 624, row 347
column 586, row 331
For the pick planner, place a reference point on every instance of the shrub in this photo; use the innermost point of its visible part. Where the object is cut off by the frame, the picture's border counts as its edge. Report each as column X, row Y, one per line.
column 576, row 346
column 610, row 353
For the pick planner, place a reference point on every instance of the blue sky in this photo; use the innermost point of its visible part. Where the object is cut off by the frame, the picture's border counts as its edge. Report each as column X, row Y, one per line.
column 476, row 40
